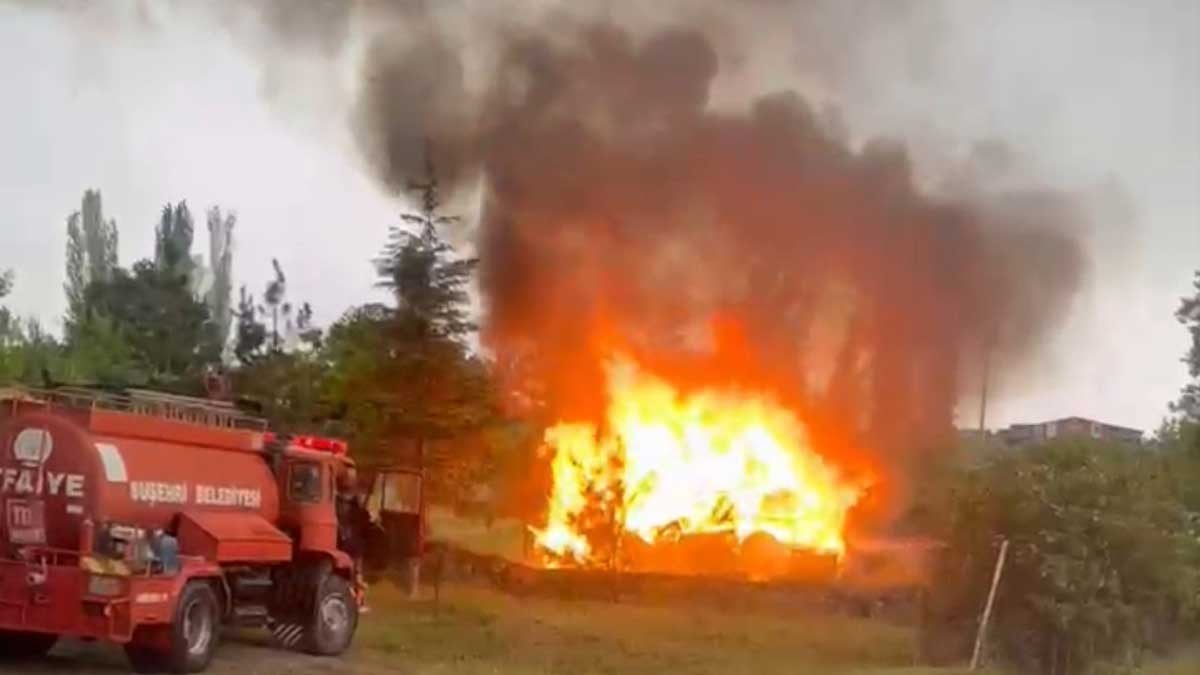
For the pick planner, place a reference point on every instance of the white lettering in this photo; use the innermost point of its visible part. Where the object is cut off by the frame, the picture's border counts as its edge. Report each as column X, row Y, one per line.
column 25, row 483
column 208, row 495
column 75, row 486
column 34, row 482
column 158, row 493
column 55, row 481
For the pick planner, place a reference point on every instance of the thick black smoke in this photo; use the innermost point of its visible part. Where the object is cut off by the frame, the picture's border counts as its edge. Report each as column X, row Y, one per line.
column 615, row 192
column 621, row 196
column 639, row 183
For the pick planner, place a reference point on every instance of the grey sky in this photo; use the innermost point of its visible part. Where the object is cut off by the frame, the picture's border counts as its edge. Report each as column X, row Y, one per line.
column 1090, row 93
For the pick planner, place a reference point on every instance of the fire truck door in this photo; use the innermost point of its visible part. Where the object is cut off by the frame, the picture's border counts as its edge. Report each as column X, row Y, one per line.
column 396, row 504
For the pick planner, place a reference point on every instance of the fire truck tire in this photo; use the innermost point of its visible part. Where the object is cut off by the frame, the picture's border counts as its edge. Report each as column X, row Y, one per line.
column 334, row 619
column 21, row 646
column 195, row 631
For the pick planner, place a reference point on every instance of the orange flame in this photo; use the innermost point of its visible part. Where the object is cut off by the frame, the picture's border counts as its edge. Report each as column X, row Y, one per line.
column 669, row 464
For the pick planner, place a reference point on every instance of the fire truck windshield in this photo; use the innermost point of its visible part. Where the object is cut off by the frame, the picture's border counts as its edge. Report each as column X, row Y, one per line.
column 304, row 482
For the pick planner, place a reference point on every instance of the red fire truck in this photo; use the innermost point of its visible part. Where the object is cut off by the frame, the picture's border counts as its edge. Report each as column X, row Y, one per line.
column 151, row 521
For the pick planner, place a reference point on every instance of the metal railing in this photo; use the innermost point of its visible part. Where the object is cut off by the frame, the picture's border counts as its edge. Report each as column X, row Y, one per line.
column 187, row 409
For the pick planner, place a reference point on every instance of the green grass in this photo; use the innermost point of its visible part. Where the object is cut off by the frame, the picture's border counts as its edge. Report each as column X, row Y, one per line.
column 474, row 631
column 1184, row 664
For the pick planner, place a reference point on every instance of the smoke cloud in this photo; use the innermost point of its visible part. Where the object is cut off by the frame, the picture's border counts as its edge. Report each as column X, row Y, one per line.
column 622, row 199
column 643, row 190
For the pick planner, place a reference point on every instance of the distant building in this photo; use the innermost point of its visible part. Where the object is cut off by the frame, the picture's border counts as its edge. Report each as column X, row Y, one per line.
column 1068, row 427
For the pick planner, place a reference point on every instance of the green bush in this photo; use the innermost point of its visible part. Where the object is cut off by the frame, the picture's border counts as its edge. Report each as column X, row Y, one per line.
column 1104, row 559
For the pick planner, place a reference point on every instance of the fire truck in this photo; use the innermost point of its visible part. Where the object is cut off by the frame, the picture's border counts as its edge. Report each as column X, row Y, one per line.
column 152, row 521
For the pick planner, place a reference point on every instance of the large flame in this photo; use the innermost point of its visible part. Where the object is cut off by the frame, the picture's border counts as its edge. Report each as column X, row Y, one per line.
column 668, row 464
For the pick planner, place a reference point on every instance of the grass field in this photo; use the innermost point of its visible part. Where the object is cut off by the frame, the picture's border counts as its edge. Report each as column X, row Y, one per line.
column 473, row 631
column 476, row 631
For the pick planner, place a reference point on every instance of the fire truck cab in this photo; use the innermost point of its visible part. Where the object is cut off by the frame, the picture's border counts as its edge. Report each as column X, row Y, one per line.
column 151, row 521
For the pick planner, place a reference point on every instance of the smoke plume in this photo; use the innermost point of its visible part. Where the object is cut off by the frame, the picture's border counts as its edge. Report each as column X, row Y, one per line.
column 643, row 191
column 621, row 200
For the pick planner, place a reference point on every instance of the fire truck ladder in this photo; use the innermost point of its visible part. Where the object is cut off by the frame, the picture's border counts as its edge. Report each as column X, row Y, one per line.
column 188, row 409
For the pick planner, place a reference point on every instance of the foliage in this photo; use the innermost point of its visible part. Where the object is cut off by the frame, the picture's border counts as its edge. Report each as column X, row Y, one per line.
column 101, row 354
column 91, row 253
column 6, row 320
column 1178, row 441
column 220, row 293
column 389, row 377
column 1104, row 561
column 395, row 387
column 274, row 327
column 355, row 385
column 1188, row 314
column 152, row 306
column 402, row 376
column 173, row 239
column 275, row 298
column 429, row 284
column 282, row 370
column 250, row 337
column 28, row 354
column 287, row 390
column 77, row 281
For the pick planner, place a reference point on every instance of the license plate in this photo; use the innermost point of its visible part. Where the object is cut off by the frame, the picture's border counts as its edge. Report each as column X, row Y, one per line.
column 26, row 519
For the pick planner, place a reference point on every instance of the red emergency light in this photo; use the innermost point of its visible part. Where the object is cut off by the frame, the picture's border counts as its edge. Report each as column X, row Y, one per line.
column 333, row 445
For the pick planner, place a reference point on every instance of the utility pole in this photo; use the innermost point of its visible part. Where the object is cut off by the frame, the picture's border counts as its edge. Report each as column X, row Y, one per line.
column 981, row 636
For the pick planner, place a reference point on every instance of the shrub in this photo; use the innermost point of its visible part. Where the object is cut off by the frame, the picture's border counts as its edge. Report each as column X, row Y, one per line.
column 1104, row 559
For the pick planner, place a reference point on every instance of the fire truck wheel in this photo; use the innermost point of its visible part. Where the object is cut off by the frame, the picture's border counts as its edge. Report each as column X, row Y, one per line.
column 334, row 619
column 20, row 646
column 195, row 630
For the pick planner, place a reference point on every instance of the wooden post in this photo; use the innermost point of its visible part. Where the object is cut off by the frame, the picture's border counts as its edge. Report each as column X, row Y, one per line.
column 981, row 635
column 983, row 398
column 984, row 385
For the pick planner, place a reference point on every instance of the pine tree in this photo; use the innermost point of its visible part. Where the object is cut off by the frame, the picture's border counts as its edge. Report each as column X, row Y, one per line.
column 419, row 384
column 430, row 285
